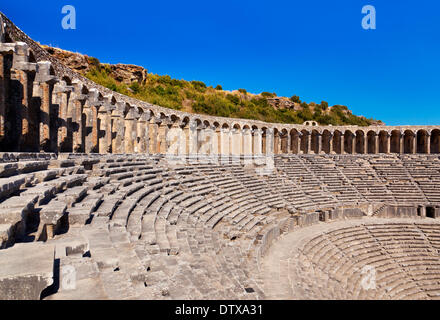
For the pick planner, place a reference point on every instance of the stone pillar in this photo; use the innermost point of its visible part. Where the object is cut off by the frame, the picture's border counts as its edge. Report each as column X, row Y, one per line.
column 43, row 87
column 247, row 142
column 202, row 137
column 319, row 143
column 388, row 137
column 428, row 143
column 78, row 99
column 187, row 136
column 163, row 129
column 353, row 143
column 87, row 127
column 215, row 141
column 62, row 92
column 289, row 143
column 104, row 119
column 402, row 143
column 277, row 143
column 308, row 141
column 141, row 134
column 330, row 144
column 257, row 143
column 117, row 132
column 365, row 149
column 5, row 50
column 23, row 70
column 224, row 144
column 129, row 134
column 414, row 144
column 92, row 130
column 153, row 130
column 236, row 142
column 376, row 143
column 174, row 140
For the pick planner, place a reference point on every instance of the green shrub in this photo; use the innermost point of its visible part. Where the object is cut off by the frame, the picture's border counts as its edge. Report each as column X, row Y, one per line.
column 295, row 99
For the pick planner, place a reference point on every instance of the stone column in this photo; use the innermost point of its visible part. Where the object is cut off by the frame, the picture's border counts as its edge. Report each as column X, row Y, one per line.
column 104, row 119
column 202, row 137
column 129, row 138
column 78, row 99
column 215, row 141
column 308, row 142
column 43, row 84
column 402, row 143
column 163, row 129
column 23, row 70
column 247, row 142
column 186, row 137
column 376, row 143
column 277, row 143
column 92, row 129
column 319, row 143
column 6, row 49
column 353, row 143
column 428, row 143
column 153, row 130
column 87, row 127
column 62, row 92
column 365, row 149
column 330, row 144
column 224, row 144
column 388, row 137
column 414, row 144
column 117, row 132
column 142, row 134
column 257, row 142
column 289, row 143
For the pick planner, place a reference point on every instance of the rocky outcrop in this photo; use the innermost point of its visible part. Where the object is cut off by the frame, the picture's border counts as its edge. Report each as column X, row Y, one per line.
column 125, row 73
column 128, row 73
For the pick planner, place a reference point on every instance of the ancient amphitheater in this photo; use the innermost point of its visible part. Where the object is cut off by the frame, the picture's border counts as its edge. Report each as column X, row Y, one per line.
column 106, row 197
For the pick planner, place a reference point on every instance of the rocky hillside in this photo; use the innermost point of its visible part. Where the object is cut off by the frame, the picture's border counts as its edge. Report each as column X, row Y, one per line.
column 197, row 97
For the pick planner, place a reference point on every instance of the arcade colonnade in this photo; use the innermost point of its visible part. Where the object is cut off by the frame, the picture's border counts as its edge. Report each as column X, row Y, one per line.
column 40, row 112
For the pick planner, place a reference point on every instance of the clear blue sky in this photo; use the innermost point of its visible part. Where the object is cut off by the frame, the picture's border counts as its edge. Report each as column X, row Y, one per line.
column 314, row 49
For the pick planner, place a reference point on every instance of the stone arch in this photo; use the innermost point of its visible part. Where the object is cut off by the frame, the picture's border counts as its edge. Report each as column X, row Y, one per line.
column 408, row 141
column 422, row 141
column 435, row 141
column 294, row 141
column 337, row 139
column 67, row 80
column 348, row 142
column 371, row 142
column 32, row 58
column 360, row 142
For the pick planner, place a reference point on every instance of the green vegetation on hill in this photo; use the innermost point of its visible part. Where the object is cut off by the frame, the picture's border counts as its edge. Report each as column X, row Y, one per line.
column 197, row 97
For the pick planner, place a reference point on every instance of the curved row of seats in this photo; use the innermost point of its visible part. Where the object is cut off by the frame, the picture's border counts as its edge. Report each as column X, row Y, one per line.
column 139, row 227
column 404, row 262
